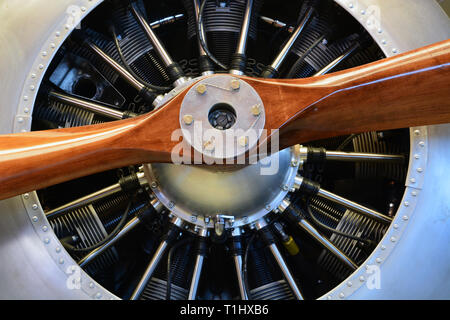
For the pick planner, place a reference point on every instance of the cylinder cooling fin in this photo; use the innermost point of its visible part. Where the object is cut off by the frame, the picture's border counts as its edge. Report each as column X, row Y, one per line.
column 167, row 232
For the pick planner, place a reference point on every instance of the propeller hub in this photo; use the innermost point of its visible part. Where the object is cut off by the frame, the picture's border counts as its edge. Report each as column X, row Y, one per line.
column 226, row 118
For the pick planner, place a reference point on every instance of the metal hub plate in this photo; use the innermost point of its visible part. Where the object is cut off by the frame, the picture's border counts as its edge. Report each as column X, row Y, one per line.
column 238, row 96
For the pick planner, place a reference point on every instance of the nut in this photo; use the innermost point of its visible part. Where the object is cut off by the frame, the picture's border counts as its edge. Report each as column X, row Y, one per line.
column 188, row 119
column 256, row 110
column 235, row 84
column 243, row 141
column 201, row 88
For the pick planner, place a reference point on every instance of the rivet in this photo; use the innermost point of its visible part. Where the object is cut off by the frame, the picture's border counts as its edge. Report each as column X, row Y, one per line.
column 41, row 66
column 98, row 295
column 406, row 204
column 34, row 206
column 58, row 249
column 26, row 195
column 20, row 120
column 188, row 119
column 417, row 132
column 384, row 41
column 380, row 31
column 83, row 9
column 67, row 27
column 35, row 219
column 61, row 261
column 32, row 88
column 413, row 180
column 405, row 218
column 91, row 285
column 44, row 53
column 421, row 143
column 383, row 247
column 329, row 297
column 341, row 295
column 52, row 45
column 45, row 228
column 154, row 185
column 416, row 156
column 394, row 50
column 25, row 98
column 349, row 284
column 201, row 89
column 268, row 207
column 285, row 188
column 419, row 170
column 362, row 279
column 26, row 110
column 378, row 260
column 350, row 5
column 46, row 240
column 363, row 12
column 393, row 239
column 395, row 226
column 294, row 163
column 235, row 84
column 58, row 33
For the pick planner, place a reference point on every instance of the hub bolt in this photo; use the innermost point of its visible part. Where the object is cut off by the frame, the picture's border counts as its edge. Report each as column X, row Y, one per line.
column 201, row 89
column 256, row 110
column 243, row 141
column 235, row 84
column 209, row 145
column 188, row 119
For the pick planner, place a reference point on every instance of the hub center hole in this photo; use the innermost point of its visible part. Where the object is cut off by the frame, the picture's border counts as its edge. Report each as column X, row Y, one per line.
column 222, row 116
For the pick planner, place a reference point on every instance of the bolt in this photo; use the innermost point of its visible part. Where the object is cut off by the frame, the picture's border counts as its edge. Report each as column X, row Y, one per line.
column 243, row 141
column 201, row 89
column 188, row 119
column 235, row 84
column 209, row 145
column 256, row 110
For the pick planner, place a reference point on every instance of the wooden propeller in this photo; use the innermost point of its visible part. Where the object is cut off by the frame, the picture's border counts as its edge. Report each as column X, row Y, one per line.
column 411, row 89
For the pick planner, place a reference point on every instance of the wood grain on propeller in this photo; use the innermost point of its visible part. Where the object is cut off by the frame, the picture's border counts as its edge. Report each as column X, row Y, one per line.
column 407, row 90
